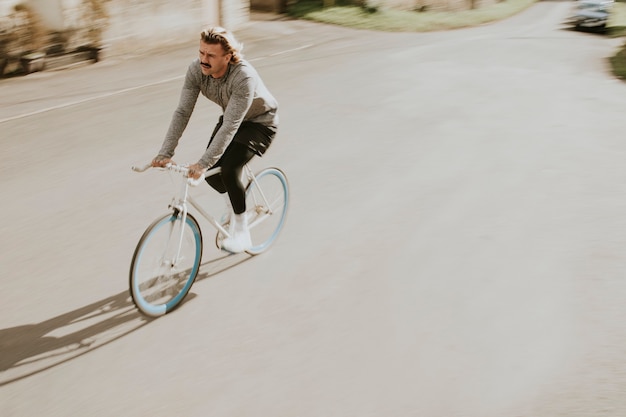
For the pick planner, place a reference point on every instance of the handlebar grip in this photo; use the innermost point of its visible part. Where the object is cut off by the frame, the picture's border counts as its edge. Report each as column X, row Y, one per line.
column 141, row 169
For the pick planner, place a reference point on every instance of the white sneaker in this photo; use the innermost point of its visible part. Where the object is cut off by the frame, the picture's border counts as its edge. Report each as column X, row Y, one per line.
column 239, row 240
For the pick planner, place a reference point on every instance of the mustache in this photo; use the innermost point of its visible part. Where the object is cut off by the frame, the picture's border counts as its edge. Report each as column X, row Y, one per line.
column 205, row 65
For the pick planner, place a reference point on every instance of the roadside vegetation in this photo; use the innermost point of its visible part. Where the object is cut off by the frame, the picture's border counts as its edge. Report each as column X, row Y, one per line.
column 618, row 63
column 617, row 28
column 617, row 20
column 346, row 13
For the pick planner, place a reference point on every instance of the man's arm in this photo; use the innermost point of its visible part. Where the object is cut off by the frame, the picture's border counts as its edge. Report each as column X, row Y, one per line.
column 180, row 119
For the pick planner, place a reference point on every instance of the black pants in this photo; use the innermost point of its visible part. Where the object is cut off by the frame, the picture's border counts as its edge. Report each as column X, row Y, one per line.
column 229, row 180
column 244, row 146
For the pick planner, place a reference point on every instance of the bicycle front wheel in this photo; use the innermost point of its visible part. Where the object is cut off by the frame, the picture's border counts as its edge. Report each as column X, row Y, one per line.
column 165, row 264
column 267, row 201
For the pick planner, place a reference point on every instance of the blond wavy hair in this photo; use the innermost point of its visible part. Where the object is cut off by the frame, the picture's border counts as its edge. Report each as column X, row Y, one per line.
column 219, row 35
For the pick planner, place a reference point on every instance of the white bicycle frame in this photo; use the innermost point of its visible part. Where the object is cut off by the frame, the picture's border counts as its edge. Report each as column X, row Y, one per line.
column 179, row 203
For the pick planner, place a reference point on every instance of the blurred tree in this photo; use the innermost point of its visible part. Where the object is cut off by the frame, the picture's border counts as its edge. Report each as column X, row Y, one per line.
column 96, row 20
column 28, row 28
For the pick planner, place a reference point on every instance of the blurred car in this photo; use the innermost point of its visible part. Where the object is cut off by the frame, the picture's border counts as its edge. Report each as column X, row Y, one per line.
column 591, row 13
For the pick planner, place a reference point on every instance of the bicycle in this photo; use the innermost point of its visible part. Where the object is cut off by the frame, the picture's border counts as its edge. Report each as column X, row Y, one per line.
column 167, row 257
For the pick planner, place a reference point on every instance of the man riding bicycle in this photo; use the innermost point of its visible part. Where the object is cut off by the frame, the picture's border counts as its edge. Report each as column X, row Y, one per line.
column 246, row 128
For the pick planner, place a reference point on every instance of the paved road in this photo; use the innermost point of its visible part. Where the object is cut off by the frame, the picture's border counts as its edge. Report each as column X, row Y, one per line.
column 454, row 247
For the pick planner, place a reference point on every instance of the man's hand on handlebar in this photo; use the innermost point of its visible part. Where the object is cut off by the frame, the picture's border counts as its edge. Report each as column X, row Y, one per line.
column 161, row 161
column 195, row 171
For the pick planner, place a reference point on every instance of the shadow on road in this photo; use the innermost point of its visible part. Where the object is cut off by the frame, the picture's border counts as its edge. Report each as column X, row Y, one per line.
column 30, row 349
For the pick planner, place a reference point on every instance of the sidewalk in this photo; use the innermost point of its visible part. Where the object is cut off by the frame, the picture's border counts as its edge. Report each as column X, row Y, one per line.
column 142, row 65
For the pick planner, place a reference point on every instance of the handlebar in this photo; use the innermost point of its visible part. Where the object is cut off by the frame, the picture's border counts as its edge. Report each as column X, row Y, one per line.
column 181, row 169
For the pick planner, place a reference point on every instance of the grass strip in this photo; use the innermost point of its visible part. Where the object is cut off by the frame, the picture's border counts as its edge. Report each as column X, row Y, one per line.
column 616, row 26
column 390, row 20
column 618, row 63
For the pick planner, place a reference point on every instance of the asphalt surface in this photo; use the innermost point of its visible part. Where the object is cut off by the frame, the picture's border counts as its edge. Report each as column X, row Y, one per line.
column 454, row 245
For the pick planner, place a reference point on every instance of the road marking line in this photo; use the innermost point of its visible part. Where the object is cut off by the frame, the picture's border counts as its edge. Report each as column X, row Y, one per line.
column 126, row 90
column 88, row 99
column 292, row 50
column 281, row 52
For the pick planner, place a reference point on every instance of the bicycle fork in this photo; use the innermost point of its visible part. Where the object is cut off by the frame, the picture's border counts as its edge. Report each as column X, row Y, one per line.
column 180, row 209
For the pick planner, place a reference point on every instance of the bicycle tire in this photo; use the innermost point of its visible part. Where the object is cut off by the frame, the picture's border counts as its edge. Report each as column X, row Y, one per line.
column 156, row 286
column 266, row 222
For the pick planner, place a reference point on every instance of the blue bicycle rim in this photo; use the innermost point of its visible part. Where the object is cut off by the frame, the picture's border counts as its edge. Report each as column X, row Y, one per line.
column 159, row 310
column 283, row 180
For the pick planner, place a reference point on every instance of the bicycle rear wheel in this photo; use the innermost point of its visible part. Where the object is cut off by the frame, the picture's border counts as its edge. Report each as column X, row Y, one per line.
column 267, row 201
column 165, row 264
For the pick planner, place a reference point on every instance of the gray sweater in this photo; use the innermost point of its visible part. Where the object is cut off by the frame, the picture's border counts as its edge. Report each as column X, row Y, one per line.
column 240, row 93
